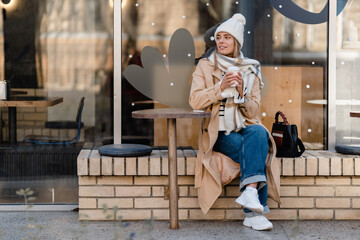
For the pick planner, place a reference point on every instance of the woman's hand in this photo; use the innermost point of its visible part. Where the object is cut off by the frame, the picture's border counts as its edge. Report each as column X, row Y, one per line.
column 233, row 79
column 239, row 85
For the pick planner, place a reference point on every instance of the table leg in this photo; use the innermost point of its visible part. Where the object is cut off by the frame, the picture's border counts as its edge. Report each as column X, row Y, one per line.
column 173, row 181
column 12, row 125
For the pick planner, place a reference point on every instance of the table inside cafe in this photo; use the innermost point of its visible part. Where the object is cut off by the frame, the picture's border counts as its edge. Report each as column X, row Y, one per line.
column 25, row 101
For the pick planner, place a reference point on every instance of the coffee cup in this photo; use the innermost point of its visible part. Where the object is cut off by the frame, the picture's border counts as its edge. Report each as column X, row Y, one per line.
column 234, row 70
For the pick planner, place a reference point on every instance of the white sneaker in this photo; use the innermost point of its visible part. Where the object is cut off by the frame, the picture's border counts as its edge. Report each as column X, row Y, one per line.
column 250, row 199
column 258, row 222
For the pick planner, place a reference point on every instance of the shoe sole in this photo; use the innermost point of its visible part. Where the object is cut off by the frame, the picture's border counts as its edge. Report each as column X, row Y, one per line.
column 257, row 210
column 265, row 229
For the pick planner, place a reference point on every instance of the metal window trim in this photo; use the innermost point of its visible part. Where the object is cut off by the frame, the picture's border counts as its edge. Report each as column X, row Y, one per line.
column 331, row 114
column 117, row 71
column 37, row 208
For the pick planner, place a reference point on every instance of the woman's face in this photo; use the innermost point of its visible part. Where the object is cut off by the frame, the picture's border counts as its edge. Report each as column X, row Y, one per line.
column 225, row 43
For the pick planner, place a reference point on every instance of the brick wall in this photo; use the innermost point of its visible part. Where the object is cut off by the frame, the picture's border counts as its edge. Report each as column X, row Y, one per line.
column 318, row 185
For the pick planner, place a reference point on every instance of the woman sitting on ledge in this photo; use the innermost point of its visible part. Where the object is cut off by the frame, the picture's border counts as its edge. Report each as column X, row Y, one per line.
column 233, row 134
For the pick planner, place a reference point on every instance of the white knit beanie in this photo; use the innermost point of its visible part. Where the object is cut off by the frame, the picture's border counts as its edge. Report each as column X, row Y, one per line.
column 234, row 26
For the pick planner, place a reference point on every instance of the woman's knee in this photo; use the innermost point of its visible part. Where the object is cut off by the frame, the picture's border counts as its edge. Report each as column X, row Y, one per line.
column 259, row 131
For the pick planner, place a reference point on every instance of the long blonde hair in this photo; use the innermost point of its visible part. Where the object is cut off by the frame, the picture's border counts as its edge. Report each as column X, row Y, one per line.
column 235, row 54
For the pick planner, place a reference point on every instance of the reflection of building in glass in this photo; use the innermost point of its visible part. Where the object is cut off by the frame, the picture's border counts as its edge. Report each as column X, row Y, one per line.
column 74, row 58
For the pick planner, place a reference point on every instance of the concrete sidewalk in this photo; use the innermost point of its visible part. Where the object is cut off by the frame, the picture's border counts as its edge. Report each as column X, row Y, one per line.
column 64, row 225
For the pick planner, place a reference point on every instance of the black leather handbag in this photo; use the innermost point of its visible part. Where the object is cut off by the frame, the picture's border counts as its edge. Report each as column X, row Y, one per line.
column 286, row 138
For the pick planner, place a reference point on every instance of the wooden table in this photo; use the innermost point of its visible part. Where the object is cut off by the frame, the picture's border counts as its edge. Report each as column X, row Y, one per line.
column 354, row 114
column 171, row 114
column 25, row 101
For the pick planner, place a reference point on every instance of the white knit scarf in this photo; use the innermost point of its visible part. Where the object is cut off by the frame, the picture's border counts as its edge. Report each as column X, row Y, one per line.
column 232, row 114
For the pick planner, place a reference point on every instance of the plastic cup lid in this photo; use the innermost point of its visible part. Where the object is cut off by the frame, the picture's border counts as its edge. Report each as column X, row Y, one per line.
column 233, row 68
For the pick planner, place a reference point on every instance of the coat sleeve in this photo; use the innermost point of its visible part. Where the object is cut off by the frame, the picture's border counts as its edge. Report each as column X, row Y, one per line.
column 251, row 107
column 202, row 95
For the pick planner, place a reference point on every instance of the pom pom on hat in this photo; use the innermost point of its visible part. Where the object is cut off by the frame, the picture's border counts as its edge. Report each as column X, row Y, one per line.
column 234, row 26
column 240, row 18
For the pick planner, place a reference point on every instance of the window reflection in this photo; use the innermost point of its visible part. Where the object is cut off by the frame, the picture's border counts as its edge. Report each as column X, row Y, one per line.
column 51, row 48
column 347, row 67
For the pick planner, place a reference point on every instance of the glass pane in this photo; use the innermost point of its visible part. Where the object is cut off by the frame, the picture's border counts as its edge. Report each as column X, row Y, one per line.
column 348, row 72
column 293, row 57
column 53, row 54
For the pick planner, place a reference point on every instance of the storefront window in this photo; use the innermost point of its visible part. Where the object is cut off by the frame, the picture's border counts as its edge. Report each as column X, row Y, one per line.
column 347, row 74
column 53, row 50
column 292, row 53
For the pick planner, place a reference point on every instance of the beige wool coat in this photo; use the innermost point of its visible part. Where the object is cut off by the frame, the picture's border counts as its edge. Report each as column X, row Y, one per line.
column 214, row 170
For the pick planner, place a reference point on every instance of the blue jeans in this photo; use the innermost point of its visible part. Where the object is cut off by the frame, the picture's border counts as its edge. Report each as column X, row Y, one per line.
column 249, row 147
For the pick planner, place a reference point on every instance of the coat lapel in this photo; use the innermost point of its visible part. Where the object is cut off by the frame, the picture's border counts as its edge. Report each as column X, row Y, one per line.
column 215, row 72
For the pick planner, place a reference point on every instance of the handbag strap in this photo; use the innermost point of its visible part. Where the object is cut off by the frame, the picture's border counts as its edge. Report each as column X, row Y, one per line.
column 301, row 146
column 283, row 117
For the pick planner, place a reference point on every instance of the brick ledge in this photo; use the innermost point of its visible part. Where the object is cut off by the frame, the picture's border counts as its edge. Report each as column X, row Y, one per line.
column 311, row 163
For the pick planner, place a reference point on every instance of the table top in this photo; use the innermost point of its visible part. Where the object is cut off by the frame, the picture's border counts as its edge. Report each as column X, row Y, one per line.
column 169, row 113
column 354, row 114
column 18, row 92
column 30, row 101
